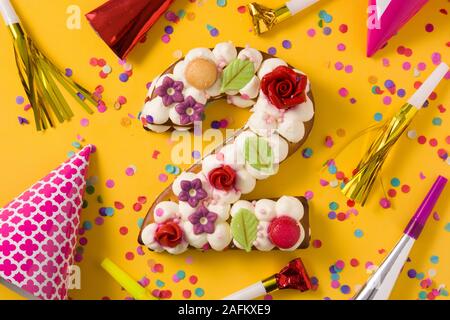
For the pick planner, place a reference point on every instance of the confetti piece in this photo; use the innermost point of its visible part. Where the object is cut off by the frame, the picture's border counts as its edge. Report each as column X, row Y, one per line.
column 385, row 203
column 434, row 259
column 242, row 9
column 20, row 100
column 311, row 32
column 199, row 292
column 110, row 184
column 23, row 121
column 378, row 117
column 222, row 3
column 123, row 77
column 358, row 233
column 395, row 182
column 272, row 51
column 84, row 122
column 307, row 153
column 343, row 92
column 286, row 44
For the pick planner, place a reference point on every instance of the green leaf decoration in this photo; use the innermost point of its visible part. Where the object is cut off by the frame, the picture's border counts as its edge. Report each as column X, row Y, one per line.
column 244, row 227
column 237, row 74
column 258, row 154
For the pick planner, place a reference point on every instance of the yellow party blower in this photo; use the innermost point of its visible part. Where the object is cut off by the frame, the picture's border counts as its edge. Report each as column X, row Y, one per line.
column 126, row 281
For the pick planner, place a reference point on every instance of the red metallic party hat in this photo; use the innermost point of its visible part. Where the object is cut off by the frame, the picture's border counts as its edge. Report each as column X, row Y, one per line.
column 386, row 18
column 123, row 23
column 38, row 232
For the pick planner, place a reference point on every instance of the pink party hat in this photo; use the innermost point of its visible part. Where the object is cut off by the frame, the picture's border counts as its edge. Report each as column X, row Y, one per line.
column 386, row 18
column 38, row 232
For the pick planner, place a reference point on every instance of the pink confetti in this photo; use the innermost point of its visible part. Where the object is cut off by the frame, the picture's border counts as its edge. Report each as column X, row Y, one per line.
column 341, row 47
column 385, row 203
column 406, row 66
column 84, row 122
column 343, row 92
column 339, row 66
column 110, row 184
column 387, row 100
column 311, row 32
column 349, row 69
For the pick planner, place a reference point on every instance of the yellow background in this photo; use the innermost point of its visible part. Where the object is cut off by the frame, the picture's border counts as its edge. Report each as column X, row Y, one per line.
column 26, row 155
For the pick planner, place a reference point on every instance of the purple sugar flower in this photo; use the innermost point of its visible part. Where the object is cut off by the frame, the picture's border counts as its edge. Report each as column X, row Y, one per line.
column 190, row 111
column 203, row 221
column 170, row 91
column 192, row 192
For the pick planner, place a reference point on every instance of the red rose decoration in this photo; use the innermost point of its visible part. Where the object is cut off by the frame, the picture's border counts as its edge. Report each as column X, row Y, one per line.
column 222, row 178
column 169, row 234
column 284, row 87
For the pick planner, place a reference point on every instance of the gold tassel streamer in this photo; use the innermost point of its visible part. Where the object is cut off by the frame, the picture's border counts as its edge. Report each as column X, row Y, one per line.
column 40, row 79
column 360, row 185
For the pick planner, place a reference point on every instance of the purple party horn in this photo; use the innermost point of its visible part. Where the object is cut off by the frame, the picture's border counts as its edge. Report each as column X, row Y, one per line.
column 417, row 222
column 380, row 285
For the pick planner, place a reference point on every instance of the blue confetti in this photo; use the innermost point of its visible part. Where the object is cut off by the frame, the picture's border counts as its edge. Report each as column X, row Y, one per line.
column 437, row 121
column 221, row 3
column 378, row 117
column 447, row 227
column 87, row 225
column 434, row 259
column 199, row 292
column 359, row 233
column 333, row 206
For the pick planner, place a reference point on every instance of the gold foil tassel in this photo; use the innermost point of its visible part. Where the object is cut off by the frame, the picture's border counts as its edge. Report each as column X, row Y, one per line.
column 359, row 186
column 41, row 79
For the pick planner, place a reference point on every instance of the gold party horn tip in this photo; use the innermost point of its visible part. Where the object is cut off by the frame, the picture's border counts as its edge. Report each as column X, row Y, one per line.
column 360, row 185
column 264, row 19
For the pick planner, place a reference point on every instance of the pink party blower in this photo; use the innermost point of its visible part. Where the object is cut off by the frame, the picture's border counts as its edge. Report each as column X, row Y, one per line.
column 380, row 285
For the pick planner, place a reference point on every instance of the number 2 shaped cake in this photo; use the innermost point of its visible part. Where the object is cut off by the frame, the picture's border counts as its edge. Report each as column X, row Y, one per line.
column 202, row 208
